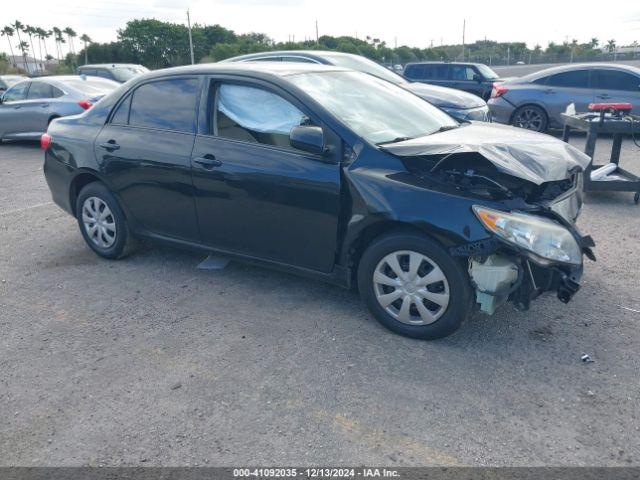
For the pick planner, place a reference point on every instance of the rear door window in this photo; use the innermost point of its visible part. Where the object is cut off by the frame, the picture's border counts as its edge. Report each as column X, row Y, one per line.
column 40, row 90
column 17, row 92
column 436, row 71
column 166, row 104
column 573, row 79
column 616, row 80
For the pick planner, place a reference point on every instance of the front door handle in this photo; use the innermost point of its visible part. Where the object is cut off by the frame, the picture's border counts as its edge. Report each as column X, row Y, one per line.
column 604, row 96
column 16, row 107
column 110, row 145
column 208, row 162
column 44, row 105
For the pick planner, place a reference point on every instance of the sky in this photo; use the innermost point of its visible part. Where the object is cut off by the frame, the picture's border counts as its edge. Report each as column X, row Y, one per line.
column 416, row 23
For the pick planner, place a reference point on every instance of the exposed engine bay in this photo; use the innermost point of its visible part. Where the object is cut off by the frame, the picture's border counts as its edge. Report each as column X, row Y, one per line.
column 533, row 179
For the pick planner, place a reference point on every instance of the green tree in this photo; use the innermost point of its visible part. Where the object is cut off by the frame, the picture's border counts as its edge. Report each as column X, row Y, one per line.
column 86, row 40
column 7, row 31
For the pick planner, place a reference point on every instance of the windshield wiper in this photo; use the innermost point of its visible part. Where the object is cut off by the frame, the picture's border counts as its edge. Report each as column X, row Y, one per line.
column 395, row 140
column 445, row 128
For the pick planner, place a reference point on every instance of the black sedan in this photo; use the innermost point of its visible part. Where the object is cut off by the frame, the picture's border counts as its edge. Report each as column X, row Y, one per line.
column 460, row 105
column 329, row 173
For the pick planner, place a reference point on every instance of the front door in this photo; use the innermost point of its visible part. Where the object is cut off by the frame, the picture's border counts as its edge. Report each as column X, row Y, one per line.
column 616, row 86
column 256, row 194
column 144, row 152
column 12, row 114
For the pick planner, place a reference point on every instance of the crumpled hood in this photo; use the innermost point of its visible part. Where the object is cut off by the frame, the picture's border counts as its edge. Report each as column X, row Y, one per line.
column 535, row 157
column 445, row 97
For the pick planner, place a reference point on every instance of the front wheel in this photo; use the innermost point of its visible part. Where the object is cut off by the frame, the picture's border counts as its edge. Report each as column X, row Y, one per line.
column 413, row 286
column 102, row 221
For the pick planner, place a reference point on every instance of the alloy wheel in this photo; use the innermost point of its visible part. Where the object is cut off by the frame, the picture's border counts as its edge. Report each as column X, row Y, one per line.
column 99, row 223
column 411, row 287
column 529, row 118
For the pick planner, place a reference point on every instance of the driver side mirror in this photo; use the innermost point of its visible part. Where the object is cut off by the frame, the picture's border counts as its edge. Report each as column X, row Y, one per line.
column 307, row 138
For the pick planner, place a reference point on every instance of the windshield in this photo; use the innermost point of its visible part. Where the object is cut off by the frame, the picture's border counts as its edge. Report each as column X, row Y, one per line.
column 92, row 85
column 487, row 73
column 378, row 111
column 365, row 65
column 122, row 74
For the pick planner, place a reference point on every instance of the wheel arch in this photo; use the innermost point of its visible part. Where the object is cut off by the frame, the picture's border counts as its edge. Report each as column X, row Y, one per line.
column 81, row 180
column 360, row 241
column 527, row 104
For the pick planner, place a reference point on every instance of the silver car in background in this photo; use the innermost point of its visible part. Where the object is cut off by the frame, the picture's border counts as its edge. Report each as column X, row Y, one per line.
column 7, row 81
column 536, row 101
column 460, row 105
column 27, row 108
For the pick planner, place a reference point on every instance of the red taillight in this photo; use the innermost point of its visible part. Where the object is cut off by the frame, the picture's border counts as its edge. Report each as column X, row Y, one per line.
column 86, row 104
column 498, row 90
column 45, row 141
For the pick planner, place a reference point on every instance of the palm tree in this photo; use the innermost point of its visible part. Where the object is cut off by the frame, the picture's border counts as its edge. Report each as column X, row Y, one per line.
column 611, row 45
column 71, row 34
column 86, row 39
column 29, row 30
column 41, row 35
column 594, row 42
column 57, row 34
column 18, row 27
column 24, row 48
column 8, row 32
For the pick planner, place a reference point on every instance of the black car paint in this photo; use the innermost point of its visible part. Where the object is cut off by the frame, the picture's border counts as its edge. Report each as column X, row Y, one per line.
column 303, row 213
column 481, row 86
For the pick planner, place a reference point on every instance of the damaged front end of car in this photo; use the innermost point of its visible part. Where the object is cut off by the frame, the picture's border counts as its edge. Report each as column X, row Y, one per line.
column 526, row 192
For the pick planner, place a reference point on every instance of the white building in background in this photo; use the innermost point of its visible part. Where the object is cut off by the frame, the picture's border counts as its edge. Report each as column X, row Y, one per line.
column 31, row 65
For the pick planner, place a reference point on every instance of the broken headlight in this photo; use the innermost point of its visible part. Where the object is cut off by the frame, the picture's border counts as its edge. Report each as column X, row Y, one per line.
column 546, row 239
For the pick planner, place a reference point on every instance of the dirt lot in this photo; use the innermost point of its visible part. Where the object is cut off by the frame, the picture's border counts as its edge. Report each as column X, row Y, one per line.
column 150, row 361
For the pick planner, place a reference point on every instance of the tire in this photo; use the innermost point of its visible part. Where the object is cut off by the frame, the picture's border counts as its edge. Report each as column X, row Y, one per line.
column 530, row 117
column 96, row 206
column 424, row 318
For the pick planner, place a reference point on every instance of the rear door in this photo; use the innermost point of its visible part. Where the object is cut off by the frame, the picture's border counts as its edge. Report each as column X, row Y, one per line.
column 256, row 194
column 144, row 151
column 435, row 74
column 12, row 120
column 616, row 86
column 562, row 89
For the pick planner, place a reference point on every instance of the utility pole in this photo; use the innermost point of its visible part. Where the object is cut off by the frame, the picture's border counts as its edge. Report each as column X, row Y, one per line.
column 317, row 36
column 395, row 42
column 190, row 38
column 464, row 26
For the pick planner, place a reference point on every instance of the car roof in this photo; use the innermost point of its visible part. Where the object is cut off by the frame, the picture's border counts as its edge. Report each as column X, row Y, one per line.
column 320, row 56
column 109, row 65
column 256, row 69
column 580, row 66
column 435, row 62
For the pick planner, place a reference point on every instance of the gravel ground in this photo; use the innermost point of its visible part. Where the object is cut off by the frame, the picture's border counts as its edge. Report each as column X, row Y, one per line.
column 150, row 361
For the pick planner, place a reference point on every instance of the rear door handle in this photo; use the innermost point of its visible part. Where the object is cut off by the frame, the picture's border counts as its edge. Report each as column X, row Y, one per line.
column 16, row 107
column 604, row 96
column 208, row 162
column 44, row 105
column 110, row 146
column 549, row 91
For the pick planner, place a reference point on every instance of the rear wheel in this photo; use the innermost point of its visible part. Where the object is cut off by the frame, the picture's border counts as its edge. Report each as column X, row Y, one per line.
column 530, row 117
column 101, row 221
column 413, row 286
